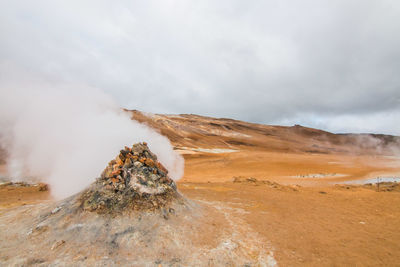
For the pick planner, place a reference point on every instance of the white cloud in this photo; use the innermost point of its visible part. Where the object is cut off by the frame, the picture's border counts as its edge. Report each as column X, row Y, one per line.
column 263, row 61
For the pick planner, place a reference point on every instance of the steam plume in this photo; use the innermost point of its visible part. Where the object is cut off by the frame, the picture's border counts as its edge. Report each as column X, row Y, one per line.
column 65, row 135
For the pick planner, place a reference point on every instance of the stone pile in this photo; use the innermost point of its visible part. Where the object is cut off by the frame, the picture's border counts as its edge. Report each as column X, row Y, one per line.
column 134, row 180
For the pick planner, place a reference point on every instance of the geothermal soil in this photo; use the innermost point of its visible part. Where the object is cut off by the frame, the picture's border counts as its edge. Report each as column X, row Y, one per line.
column 271, row 194
column 292, row 225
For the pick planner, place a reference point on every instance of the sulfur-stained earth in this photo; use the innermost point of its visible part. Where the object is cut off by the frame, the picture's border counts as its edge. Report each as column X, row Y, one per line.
column 256, row 195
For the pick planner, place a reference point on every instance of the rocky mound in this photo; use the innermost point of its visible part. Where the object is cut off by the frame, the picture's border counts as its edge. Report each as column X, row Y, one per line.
column 134, row 180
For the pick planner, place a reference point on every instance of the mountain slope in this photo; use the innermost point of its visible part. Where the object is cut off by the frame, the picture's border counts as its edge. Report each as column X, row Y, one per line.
column 194, row 131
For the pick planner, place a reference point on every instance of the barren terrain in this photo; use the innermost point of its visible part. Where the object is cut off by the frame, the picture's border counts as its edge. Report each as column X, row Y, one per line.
column 216, row 150
column 272, row 192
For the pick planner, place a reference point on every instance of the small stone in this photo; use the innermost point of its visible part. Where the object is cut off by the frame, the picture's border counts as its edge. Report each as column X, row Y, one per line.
column 161, row 167
column 149, row 162
column 127, row 163
column 107, row 173
column 137, row 164
column 141, row 180
column 57, row 244
column 116, row 167
column 119, row 161
column 43, row 187
column 153, row 177
column 116, row 172
column 251, row 180
column 101, row 204
column 54, row 211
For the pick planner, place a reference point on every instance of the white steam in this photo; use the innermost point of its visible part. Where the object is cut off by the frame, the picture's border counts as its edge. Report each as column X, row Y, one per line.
column 65, row 135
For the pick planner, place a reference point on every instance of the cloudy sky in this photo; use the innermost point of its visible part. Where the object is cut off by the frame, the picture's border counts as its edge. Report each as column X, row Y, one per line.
column 328, row 64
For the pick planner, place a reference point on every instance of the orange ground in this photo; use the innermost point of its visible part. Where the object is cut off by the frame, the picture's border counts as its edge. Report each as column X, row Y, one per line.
column 287, row 168
column 307, row 226
column 314, row 224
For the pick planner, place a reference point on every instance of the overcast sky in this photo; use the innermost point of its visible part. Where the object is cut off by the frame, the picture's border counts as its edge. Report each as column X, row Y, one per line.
column 328, row 64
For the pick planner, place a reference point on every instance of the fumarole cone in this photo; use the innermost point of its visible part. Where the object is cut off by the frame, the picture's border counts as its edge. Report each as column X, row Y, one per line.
column 134, row 180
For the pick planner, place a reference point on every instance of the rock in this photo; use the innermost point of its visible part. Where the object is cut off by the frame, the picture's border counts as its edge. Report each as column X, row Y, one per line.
column 241, row 179
column 107, row 172
column 149, row 162
column 120, row 162
column 43, row 187
column 121, row 186
column 116, row 172
column 251, row 180
column 153, row 177
column 123, row 153
column 127, row 163
column 57, row 244
column 161, row 167
column 54, row 211
column 237, row 179
column 138, row 164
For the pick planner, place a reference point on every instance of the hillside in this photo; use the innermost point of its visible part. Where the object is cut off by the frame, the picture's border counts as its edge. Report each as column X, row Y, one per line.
column 194, row 131
column 217, row 150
